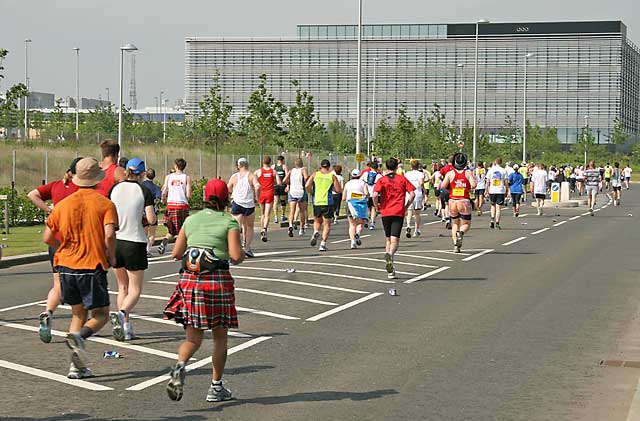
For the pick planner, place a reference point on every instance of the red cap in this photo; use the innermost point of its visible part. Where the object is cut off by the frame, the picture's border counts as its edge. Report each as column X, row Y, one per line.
column 218, row 188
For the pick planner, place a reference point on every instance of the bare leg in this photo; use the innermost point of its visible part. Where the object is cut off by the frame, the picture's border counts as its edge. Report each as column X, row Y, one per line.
column 352, row 229
column 133, row 291
column 55, row 295
column 151, row 235
column 392, row 245
column 191, row 344
column 248, row 230
column 219, row 354
column 326, row 229
column 122, row 277
column 498, row 211
column 293, row 206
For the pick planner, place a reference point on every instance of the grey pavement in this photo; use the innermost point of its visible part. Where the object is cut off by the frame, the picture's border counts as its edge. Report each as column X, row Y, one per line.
column 514, row 328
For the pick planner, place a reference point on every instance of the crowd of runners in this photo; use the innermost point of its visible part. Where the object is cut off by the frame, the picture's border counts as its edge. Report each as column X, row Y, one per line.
column 105, row 214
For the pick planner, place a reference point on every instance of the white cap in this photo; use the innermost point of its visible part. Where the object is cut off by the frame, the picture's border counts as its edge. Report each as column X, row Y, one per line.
column 242, row 161
column 355, row 172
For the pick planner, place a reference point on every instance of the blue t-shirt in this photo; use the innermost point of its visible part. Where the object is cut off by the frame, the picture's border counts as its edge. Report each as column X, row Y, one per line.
column 515, row 183
column 157, row 193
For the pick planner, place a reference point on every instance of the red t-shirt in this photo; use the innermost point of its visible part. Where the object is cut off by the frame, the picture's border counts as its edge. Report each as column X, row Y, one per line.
column 392, row 191
column 444, row 170
column 57, row 190
column 366, row 170
column 104, row 187
column 267, row 180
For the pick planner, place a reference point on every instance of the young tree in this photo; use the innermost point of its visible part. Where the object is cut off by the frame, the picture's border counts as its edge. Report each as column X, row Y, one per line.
column 404, row 133
column 8, row 106
column 619, row 135
column 103, row 121
column 214, row 119
column 340, row 135
column 264, row 121
column 304, row 126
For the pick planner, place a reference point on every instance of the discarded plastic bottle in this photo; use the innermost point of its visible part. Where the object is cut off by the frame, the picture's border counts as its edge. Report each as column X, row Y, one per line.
column 111, row 355
column 393, row 292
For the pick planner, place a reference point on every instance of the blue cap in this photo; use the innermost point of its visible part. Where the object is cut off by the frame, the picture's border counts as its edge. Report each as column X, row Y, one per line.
column 136, row 166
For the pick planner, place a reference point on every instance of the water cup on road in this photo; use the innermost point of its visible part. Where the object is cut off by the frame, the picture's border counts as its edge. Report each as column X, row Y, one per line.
column 111, row 355
column 291, row 270
column 393, row 292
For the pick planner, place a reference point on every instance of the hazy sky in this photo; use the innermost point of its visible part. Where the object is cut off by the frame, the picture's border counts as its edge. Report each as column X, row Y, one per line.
column 158, row 29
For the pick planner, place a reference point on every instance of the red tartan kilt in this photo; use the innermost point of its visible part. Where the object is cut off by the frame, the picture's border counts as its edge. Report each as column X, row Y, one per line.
column 174, row 218
column 204, row 301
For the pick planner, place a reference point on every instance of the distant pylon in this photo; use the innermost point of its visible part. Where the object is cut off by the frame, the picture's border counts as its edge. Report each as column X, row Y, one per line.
column 133, row 98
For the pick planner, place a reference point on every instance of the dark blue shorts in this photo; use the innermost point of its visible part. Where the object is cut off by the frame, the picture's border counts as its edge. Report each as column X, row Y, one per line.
column 52, row 252
column 239, row 210
column 86, row 287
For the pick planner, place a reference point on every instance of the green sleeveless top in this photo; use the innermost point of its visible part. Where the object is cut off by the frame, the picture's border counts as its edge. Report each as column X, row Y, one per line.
column 322, row 184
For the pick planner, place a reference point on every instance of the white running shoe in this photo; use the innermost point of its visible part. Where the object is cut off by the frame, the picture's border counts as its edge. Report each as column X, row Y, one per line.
column 128, row 331
column 77, row 373
column 353, row 245
column 323, row 247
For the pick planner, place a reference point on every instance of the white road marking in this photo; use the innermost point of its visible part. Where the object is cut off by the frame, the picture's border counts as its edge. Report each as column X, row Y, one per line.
column 442, row 251
column 522, row 216
column 426, row 275
column 475, row 256
column 634, row 410
column 53, row 376
column 585, row 214
column 439, row 259
column 432, row 222
column 517, row 240
column 363, row 268
column 171, row 275
column 343, row 307
column 35, row 303
column 349, row 239
column 598, row 210
column 266, row 313
column 284, row 281
column 575, row 217
column 288, row 297
column 201, row 363
column 104, row 341
column 540, row 231
column 560, row 223
column 395, row 262
column 273, row 253
column 313, row 272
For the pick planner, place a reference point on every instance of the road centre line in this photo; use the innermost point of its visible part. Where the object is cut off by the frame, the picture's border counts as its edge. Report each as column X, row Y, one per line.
column 475, row 256
column 439, row 259
column 598, row 210
column 395, row 262
column 285, row 281
column 343, row 307
column 540, row 231
column 313, row 272
column 363, row 268
column 53, row 376
column 517, row 240
column 171, row 275
column 289, row 297
column 575, row 217
column 35, row 303
column 560, row 223
column 104, row 341
column 349, row 239
column 163, row 321
column 585, row 214
column 201, row 363
column 426, row 275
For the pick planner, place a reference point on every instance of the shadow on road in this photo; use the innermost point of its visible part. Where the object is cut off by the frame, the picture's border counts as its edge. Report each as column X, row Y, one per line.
column 304, row 397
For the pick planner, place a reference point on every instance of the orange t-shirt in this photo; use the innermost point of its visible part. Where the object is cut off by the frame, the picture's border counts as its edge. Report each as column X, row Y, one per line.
column 80, row 219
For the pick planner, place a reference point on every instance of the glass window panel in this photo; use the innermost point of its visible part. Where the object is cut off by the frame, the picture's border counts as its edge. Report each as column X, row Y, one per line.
column 323, row 32
column 341, row 32
column 433, row 31
column 367, row 31
column 442, row 31
column 313, row 32
column 351, row 31
column 304, row 32
column 332, row 31
column 377, row 30
column 424, row 30
column 395, row 31
column 386, row 30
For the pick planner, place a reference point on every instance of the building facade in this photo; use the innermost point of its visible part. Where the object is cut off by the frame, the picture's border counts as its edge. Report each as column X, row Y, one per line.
column 578, row 73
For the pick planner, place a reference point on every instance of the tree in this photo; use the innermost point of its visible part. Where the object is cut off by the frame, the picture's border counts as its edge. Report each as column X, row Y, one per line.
column 8, row 106
column 404, row 133
column 304, row 126
column 264, row 121
column 619, row 135
column 214, row 119
column 340, row 135
column 585, row 142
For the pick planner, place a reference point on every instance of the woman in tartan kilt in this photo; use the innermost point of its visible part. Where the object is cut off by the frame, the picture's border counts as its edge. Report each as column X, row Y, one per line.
column 204, row 297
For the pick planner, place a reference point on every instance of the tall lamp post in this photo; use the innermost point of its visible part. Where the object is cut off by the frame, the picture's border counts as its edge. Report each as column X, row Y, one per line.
column 475, row 90
column 359, row 83
column 461, row 67
column 77, row 50
column 127, row 48
column 373, row 112
column 164, row 121
column 108, row 97
column 524, row 110
column 585, row 137
column 26, row 84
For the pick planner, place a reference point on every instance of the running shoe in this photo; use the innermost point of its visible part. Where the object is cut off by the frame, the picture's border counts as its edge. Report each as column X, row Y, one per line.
column 45, row 327
column 128, row 331
column 408, row 232
column 263, row 235
column 358, row 240
column 314, row 239
column 76, row 373
column 366, row 225
column 492, row 225
column 498, row 227
column 283, row 219
column 389, row 263
column 301, row 232
column 517, row 214
column 218, row 393
column 163, row 246
column 448, row 225
column 175, row 386
column 275, row 219
column 479, row 213
column 78, row 352
column 290, row 232
column 117, row 325
column 372, row 226
column 323, row 247
column 249, row 253
column 591, row 211
column 353, row 245
column 458, row 243
column 417, row 233
column 435, row 212
column 391, row 275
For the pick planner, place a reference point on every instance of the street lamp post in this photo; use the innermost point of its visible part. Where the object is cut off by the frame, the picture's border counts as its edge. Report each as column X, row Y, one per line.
column 26, row 84
column 108, row 98
column 359, row 83
column 369, row 130
column 475, row 90
column 373, row 116
column 77, row 50
column 461, row 67
column 524, row 110
column 164, row 121
column 585, row 137
column 127, row 48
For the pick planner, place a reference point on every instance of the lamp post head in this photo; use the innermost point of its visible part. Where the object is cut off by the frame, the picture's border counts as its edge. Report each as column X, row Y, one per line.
column 27, row 40
column 129, row 47
column 461, row 65
column 76, row 49
column 529, row 55
column 483, row 21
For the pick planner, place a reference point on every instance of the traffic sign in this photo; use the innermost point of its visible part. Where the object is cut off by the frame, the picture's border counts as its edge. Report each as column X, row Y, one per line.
column 4, row 197
column 359, row 157
column 555, row 192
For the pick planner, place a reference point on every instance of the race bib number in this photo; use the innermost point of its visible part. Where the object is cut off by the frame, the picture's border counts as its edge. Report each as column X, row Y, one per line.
column 357, row 195
column 496, row 183
column 458, row 192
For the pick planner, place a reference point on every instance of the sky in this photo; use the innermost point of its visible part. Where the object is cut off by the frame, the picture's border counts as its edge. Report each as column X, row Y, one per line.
column 158, row 28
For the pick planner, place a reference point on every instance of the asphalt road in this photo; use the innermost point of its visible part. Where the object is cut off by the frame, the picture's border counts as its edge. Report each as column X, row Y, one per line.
column 514, row 328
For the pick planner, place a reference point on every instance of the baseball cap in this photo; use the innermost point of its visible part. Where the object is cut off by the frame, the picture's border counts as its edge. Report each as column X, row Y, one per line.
column 355, row 172
column 72, row 166
column 325, row 163
column 218, row 188
column 88, row 173
column 136, row 166
column 242, row 161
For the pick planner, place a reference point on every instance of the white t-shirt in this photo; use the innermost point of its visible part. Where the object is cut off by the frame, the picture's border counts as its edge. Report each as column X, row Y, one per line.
column 416, row 178
column 177, row 189
column 480, row 174
column 355, row 189
column 509, row 170
column 552, row 175
column 130, row 198
column 539, row 179
column 497, row 179
column 296, row 183
column 627, row 172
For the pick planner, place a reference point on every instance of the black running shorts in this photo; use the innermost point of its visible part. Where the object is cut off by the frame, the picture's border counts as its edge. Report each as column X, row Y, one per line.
column 496, row 199
column 131, row 255
column 392, row 226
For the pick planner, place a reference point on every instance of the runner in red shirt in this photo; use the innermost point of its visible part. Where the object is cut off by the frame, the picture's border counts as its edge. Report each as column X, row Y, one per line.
column 113, row 173
column 268, row 178
column 55, row 192
column 395, row 193
column 459, row 181
column 444, row 193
